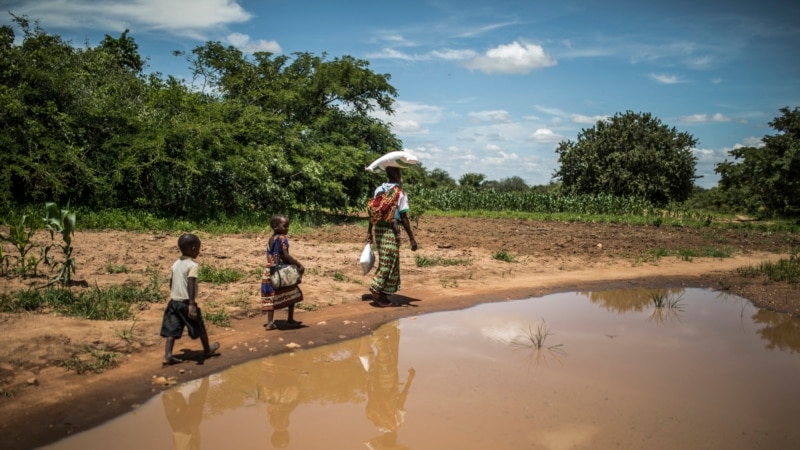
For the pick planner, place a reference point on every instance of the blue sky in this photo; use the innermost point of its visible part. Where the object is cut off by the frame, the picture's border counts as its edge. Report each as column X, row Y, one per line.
column 493, row 87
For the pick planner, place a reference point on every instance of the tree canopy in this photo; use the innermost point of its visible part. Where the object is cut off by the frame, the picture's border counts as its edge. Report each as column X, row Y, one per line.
column 766, row 179
column 86, row 126
column 629, row 155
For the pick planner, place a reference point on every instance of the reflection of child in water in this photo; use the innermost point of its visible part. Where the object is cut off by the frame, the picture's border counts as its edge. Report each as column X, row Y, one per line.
column 185, row 418
column 282, row 394
column 385, row 405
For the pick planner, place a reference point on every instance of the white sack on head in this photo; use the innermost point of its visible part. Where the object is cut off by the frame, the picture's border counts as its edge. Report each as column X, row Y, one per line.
column 400, row 158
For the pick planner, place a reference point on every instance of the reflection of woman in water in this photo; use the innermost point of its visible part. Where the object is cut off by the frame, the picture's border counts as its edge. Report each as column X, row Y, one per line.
column 185, row 418
column 385, row 401
column 282, row 393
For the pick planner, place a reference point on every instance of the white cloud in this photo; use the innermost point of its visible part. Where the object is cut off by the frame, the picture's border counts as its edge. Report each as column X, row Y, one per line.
column 665, row 78
column 411, row 117
column 496, row 116
column 242, row 42
column 580, row 118
column 190, row 18
column 513, row 58
column 705, row 118
column 453, row 55
column 751, row 142
column 545, row 135
column 390, row 53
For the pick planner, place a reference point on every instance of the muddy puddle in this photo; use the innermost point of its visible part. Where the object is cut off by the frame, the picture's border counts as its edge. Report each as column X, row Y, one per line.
column 592, row 370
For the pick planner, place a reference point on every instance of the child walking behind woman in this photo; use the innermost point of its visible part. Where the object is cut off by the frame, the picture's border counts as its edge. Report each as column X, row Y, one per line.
column 182, row 310
column 278, row 253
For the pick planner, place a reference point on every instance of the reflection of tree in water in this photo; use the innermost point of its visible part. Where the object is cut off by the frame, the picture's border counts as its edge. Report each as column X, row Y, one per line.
column 385, row 399
column 628, row 300
column 185, row 417
column 781, row 331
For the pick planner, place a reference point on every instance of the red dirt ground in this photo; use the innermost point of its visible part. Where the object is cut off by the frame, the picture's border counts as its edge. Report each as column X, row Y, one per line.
column 42, row 401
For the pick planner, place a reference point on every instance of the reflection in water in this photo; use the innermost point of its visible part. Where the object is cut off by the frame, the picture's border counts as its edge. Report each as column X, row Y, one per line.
column 281, row 390
column 781, row 331
column 385, row 400
column 185, row 417
column 537, row 344
column 704, row 381
column 629, row 300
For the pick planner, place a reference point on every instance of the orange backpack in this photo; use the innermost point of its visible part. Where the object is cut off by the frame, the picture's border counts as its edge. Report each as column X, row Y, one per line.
column 383, row 206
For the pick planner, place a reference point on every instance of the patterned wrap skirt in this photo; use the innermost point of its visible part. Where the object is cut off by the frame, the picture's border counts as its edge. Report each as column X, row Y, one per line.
column 272, row 299
column 387, row 275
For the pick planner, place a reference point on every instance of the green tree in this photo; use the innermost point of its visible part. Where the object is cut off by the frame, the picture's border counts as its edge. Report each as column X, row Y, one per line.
column 767, row 179
column 319, row 111
column 629, row 155
column 472, row 180
column 511, row 184
column 440, row 178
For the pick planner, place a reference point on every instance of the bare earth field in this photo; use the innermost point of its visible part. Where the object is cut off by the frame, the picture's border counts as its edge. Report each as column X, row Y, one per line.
column 42, row 401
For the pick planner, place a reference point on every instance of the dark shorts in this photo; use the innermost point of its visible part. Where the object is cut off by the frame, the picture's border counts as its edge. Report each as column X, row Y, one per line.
column 176, row 317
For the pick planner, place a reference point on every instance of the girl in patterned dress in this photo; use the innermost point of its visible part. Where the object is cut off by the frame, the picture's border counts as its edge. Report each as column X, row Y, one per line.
column 278, row 253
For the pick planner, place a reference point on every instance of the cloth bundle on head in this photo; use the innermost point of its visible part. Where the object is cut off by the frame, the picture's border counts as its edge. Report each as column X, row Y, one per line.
column 399, row 158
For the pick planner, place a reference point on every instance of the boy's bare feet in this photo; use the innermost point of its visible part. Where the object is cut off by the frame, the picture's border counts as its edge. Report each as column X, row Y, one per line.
column 212, row 350
column 168, row 361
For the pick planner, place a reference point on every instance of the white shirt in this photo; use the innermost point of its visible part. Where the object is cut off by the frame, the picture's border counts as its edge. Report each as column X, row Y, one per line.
column 182, row 270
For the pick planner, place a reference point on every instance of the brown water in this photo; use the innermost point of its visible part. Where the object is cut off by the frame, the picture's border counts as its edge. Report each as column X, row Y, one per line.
column 613, row 372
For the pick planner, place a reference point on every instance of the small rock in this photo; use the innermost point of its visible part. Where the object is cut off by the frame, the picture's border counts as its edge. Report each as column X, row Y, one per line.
column 33, row 381
column 322, row 323
column 293, row 345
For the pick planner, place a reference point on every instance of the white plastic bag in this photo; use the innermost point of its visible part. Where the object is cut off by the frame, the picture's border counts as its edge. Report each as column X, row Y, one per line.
column 367, row 259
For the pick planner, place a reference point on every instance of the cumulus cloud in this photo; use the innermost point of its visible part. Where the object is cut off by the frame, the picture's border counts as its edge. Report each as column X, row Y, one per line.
column 545, row 135
column 243, row 43
column 514, row 58
column 191, row 18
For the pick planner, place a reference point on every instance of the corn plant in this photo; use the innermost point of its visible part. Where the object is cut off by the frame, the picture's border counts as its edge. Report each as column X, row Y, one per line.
column 62, row 221
column 20, row 236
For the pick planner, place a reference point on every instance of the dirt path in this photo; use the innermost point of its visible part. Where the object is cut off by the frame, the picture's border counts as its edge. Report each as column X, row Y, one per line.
column 43, row 402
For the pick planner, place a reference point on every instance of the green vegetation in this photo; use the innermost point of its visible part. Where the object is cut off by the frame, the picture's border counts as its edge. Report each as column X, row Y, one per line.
column 216, row 314
column 116, row 302
column 61, row 221
column 211, row 274
column 629, row 155
column 662, row 299
column 20, row 236
column 764, row 181
column 686, row 254
column 425, row 261
column 95, row 360
column 111, row 268
column 503, row 255
column 786, row 270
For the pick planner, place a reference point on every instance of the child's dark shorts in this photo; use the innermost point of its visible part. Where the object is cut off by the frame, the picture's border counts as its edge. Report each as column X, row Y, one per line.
column 176, row 317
